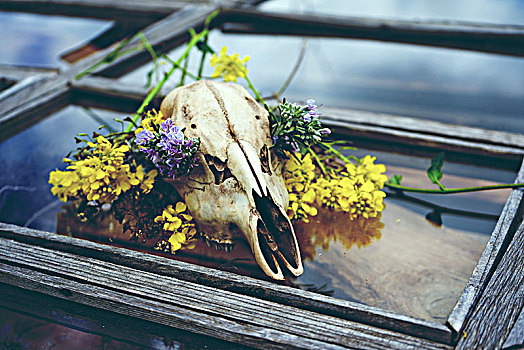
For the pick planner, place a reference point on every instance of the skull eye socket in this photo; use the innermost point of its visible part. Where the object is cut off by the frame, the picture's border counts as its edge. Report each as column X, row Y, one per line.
column 219, row 169
column 265, row 160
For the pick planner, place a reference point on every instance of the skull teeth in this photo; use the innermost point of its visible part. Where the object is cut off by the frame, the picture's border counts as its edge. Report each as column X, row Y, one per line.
column 226, row 245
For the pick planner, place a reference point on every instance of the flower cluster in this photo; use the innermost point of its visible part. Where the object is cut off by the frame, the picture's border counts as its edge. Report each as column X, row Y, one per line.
column 167, row 147
column 179, row 225
column 295, row 127
column 299, row 174
column 356, row 189
column 230, row 67
column 101, row 175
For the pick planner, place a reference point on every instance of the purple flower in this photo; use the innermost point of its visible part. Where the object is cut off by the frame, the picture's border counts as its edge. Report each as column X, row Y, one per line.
column 312, row 113
column 144, row 136
column 325, row 131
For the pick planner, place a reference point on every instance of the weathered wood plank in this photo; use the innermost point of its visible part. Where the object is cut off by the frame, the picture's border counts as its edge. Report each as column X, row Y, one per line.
column 187, row 305
column 515, row 339
column 118, row 31
column 97, row 9
column 98, row 321
column 163, row 35
column 501, row 301
column 16, row 73
column 501, row 39
column 232, row 282
column 30, row 100
column 508, row 221
column 465, row 133
column 417, row 136
column 421, row 144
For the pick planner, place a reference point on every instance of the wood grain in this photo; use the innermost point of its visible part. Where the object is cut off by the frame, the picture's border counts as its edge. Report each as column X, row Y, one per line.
column 501, row 39
column 184, row 305
column 128, row 9
column 106, row 323
column 509, row 219
column 501, row 302
column 232, row 282
column 163, row 35
column 16, row 73
column 396, row 133
column 515, row 340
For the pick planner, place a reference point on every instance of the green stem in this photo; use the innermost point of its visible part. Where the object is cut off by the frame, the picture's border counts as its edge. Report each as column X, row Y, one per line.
column 453, row 190
column 184, row 72
column 319, row 162
column 257, row 95
column 336, row 152
column 157, row 88
column 202, row 59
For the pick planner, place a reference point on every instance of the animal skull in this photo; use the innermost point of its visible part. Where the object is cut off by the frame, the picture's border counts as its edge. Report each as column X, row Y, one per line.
column 237, row 189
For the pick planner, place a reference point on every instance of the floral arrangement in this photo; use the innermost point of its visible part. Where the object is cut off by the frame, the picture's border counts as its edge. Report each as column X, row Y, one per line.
column 126, row 173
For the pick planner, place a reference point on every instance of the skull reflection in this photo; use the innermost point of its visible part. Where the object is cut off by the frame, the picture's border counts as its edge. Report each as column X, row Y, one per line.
column 237, row 190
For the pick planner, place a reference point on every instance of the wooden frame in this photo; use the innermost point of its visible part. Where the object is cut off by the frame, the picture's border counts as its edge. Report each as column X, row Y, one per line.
column 93, row 286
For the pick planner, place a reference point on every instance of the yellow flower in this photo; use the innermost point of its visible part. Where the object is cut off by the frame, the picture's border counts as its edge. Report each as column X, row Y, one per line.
column 151, row 118
column 101, row 176
column 180, row 225
column 230, row 67
column 355, row 190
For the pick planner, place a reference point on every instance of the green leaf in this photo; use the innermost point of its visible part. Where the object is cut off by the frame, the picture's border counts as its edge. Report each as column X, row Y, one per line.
column 396, row 180
column 435, row 170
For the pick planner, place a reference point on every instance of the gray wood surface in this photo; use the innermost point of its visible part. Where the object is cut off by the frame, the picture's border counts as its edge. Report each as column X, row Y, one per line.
column 231, row 282
column 474, row 290
column 416, row 136
column 501, row 302
column 185, row 305
column 106, row 323
column 515, row 340
column 97, row 9
column 501, row 39
column 16, row 73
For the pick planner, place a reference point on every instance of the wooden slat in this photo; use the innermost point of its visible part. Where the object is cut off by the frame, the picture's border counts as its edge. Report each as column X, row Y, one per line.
column 416, row 136
column 501, row 39
column 465, row 133
column 501, row 301
column 185, row 305
column 30, row 100
column 113, row 9
column 163, row 35
column 232, row 282
column 118, row 31
column 16, row 73
column 474, row 290
column 98, row 321
column 515, row 339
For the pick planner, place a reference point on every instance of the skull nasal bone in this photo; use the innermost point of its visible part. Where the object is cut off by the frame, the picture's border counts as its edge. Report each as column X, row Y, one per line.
column 279, row 236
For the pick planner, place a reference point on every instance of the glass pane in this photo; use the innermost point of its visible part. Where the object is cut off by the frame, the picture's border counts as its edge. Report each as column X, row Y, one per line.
column 37, row 40
column 28, row 157
column 487, row 11
column 453, row 86
column 415, row 259
column 18, row 331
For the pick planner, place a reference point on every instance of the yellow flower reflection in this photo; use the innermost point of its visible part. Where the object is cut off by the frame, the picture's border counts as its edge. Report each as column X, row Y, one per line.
column 335, row 226
column 230, row 67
